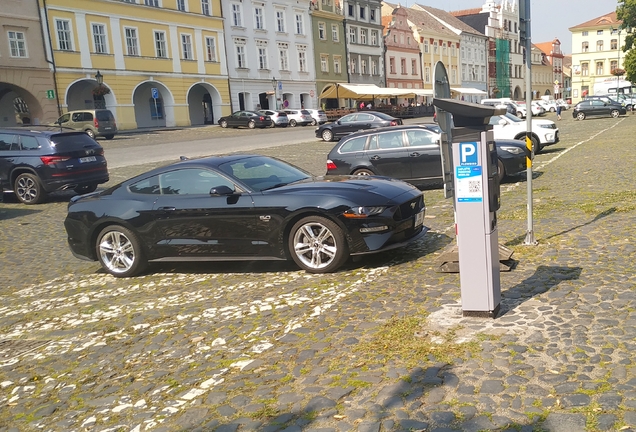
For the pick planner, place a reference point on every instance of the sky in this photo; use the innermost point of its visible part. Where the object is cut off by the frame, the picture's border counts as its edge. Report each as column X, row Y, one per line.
column 550, row 18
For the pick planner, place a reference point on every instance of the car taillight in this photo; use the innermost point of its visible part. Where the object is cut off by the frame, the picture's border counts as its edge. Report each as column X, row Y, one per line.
column 261, row 118
column 96, row 122
column 50, row 160
column 330, row 165
column 393, row 123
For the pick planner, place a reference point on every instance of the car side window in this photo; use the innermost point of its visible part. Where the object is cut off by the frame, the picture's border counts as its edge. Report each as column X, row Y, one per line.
column 64, row 119
column 354, row 145
column 29, row 143
column 149, row 186
column 348, row 118
column 88, row 116
column 419, row 138
column 390, row 140
column 77, row 117
column 6, row 141
column 364, row 118
column 191, row 181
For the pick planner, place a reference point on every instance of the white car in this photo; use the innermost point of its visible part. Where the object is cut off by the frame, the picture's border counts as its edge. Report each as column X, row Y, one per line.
column 508, row 126
column 539, row 107
column 319, row 116
column 536, row 110
column 549, row 105
column 564, row 105
column 299, row 117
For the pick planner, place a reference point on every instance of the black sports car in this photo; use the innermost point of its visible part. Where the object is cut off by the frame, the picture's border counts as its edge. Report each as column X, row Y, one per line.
column 355, row 122
column 242, row 207
column 249, row 119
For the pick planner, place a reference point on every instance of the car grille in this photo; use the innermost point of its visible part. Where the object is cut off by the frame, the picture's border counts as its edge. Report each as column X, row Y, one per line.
column 409, row 209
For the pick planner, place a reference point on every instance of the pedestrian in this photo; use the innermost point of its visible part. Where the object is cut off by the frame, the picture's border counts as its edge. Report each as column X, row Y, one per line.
column 362, row 105
column 558, row 111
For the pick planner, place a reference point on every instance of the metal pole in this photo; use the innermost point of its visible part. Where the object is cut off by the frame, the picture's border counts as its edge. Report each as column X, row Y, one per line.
column 530, row 229
column 618, row 63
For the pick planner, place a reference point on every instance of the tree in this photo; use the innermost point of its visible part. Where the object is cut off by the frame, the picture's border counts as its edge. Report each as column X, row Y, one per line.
column 626, row 12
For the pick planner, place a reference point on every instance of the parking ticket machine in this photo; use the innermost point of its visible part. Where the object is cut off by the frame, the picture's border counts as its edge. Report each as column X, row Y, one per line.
column 477, row 199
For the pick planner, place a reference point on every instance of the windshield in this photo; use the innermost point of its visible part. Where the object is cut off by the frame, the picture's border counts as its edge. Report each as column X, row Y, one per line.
column 261, row 173
column 512, row 117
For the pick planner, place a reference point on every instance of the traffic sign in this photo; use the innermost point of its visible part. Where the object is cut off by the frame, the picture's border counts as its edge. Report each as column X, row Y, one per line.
column 155, row 92
column 280, row 85
column 50, row 94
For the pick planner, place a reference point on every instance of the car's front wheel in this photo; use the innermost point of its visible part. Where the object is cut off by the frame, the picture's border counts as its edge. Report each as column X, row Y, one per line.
column 223, row 123
column 119, row 252
column 615, row 113
column 251, row 124
column 327, row 135
column 318, row 245
column 28, row 189
column 109, row 136
column 314, row 122
column 292, row 123
column 580, row 116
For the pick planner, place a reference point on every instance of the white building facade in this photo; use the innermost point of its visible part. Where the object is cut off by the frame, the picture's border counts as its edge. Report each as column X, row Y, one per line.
column 365, row 48
column 270, row 54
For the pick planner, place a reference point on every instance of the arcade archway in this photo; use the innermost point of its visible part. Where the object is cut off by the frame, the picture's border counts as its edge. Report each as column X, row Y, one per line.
column 204, row 104
column 154, row 105
column 18, row 106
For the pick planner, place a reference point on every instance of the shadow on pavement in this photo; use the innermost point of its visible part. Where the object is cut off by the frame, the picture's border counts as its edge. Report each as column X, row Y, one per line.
column 7, row 213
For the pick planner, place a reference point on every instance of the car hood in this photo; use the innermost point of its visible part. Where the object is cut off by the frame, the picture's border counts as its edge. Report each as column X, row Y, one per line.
column 375, row 189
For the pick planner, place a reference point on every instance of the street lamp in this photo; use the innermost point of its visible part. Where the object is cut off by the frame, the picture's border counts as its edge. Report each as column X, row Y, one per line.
column 99, row 78
column 274, row 83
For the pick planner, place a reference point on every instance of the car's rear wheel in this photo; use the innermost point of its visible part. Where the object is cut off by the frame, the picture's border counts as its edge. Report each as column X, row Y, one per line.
column 363, row 172
column 28, row 189
column 318, row 245
column 327, row 135
column 552, row 109
column 84, row 189
column 109, row 136
column 272, row 125
column 501, row 170
column 314, row 122
column 536, row 145
column 292, row 123
column 90, row 133
column 615, row 113
column 580, row 116
column 251, row 124
column 223, row 123
column 119, row 252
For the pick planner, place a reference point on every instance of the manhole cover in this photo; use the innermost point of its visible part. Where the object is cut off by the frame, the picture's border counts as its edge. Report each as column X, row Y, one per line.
column 13, row 348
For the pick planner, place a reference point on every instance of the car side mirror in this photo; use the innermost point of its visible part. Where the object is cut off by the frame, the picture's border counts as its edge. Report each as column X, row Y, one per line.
column 337, row 122
column 502, row 122
column 221, row 191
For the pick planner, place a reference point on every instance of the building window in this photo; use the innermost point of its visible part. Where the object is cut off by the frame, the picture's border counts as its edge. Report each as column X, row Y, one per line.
column 453, row 76
column 372, row 15
column 283, row 56
column 427, row 75
column 374, row 67
column 408, row 40
column 351, row 10
column 132, row 45
column 585, row 33
column 426, row 47
column 337, row 62
column 353, row 66
column 444, row 49
column 210, row 48
column 259, row 22
column 353, row 31
column 392, row 65
column 321, row 31
column 374, row 37
column 335, row 34
column 585, row 46
column 324, row 63
column 262, row 58
column 160, row 45
column 363, row 36
column 613, row 44
column 64, row 37
column 300, row 28
column 302, row 59
column 363, row 67
column 435, row 47
column 240, row 57
column 99, row 38
column 413, row 67
column 453, row 51
column 599, row 45
column 237, row 19
column 599, row 32
column 362, row 12
column 403, row 66
column 154, row 3
column 181, row 5
column 280, row 21
column 186, row 47
column 205, row 7
column 17, row 43
column 585, row 69
column 599, row 68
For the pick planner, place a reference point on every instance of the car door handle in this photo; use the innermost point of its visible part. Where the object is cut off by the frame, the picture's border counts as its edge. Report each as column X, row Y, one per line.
column 375, row 157
column 166, row 208
column 415, row 154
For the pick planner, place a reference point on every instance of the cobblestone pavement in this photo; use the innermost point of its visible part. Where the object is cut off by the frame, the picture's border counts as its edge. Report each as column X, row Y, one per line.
column 378, row 346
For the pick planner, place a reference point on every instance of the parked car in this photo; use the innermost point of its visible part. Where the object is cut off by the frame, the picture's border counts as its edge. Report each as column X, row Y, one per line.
column 539, row 107
column 549, row 105
column 354, row 122
column 279, row 118
column 242, row 207
column 319, row 116
column 299, row 117
column 95, row 122
column 37, row 160
column 564, row 105
column 536, row 110
column 410, row 153
column 508, row 126
column 248, row 119
column 597, row 107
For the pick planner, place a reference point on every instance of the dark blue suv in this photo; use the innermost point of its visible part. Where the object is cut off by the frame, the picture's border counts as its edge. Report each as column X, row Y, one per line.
column 37, row 160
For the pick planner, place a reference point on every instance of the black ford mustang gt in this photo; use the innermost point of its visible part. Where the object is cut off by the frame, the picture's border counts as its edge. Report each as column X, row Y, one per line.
column 242, row 207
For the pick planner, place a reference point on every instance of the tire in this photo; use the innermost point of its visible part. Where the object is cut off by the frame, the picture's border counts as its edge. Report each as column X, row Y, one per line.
column 84, row 189
column 536, row 145
column 119, row 252
column 28, row 189
column 292, row 123
column 327, row 135
column 273, row 125
column 580, row 116
column 109, row 136
column 363, row 172
column 223, row 123
column 501, row 170
column 615, row 113
column 314, row 122
column 317, row 245
column 90, row 133
column 552, row 110
column 251, row 124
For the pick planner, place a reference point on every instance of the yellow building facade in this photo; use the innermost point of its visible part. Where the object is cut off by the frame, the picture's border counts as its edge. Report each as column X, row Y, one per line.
column 162, row 62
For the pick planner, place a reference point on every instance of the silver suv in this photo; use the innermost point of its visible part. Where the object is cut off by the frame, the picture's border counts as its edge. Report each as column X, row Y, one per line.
column 96, row 122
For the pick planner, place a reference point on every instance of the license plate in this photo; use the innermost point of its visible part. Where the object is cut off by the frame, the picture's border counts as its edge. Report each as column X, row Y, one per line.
column 87, row 159
column 419, row 219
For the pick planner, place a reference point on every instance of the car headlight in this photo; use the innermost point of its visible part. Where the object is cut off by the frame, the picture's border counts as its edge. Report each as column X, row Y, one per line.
column 511, row 149
column 546, row 126
column 363, row 212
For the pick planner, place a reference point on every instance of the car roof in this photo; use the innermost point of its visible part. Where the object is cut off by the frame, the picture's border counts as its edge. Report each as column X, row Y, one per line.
column 42, row 130
column 388, row 128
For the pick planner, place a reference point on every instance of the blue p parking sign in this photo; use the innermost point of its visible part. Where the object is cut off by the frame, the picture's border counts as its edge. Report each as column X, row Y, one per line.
column 468, row 154
column 155, row 92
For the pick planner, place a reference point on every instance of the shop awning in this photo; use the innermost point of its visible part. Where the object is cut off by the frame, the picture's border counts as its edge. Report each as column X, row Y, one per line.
column 468, row 91
column 367, row 91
